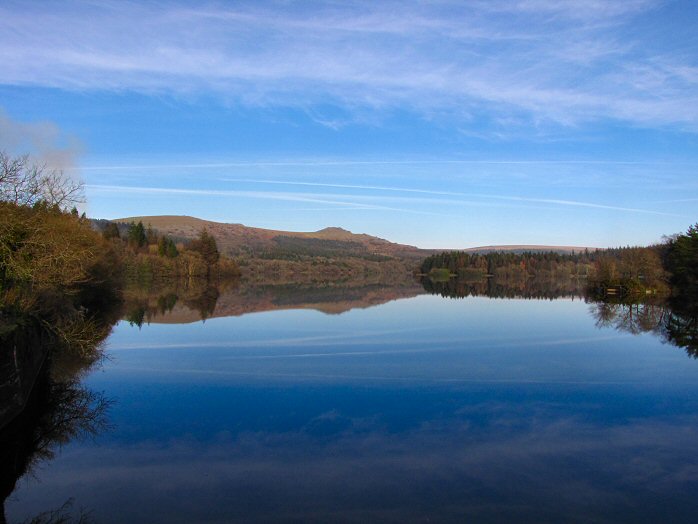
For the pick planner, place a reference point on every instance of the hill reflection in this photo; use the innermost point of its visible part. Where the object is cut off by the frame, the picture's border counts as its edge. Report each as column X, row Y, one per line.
column 184, row 305
column 674, row 321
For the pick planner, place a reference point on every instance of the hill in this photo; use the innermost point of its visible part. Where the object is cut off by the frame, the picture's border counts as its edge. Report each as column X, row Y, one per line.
column 526, row 248
column 240, row 240
column 237, row 239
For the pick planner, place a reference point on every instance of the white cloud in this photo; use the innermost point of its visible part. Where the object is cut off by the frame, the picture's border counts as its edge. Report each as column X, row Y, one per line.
column 536, row 60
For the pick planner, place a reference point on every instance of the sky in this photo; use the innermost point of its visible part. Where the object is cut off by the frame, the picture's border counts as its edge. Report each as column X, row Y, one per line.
column 438, row 124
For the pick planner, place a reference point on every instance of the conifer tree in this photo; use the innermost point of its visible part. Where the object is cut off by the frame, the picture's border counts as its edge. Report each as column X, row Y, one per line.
column 136, row 235
column 206, row 246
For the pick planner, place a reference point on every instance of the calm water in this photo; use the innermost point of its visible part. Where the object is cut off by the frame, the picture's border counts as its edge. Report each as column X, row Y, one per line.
column 419, row 409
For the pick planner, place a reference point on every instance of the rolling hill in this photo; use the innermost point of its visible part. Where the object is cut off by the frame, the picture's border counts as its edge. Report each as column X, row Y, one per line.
column 238, row 239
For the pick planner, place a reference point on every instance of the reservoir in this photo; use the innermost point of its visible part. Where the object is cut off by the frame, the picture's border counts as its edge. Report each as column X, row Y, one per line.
column 381, row 405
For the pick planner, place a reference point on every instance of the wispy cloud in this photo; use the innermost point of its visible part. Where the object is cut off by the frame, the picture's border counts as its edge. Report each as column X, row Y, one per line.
column 372, row 202
column 345, row 162
column 534, row 61
column 554, row 201
column 334, row 200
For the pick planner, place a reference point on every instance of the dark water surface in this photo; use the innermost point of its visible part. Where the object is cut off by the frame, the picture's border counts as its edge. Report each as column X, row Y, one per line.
column 420, row 409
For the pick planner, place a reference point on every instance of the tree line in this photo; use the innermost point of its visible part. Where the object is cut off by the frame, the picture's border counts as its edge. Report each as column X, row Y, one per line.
column 671, row 265
column 149, row 255
column 506, row 264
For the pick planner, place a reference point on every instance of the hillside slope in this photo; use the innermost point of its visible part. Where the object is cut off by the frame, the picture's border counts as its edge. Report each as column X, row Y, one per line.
column 237, row 239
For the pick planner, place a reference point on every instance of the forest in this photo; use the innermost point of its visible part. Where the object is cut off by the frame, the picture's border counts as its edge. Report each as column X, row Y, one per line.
column 667, row 268
column 146, row 256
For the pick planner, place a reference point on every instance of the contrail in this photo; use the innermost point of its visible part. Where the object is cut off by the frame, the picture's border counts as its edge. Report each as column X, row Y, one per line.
column 290, row 197
column 311, row 163
column 453, row 193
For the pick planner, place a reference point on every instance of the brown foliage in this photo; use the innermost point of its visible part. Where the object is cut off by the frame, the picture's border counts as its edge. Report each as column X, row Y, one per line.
column 45, row 248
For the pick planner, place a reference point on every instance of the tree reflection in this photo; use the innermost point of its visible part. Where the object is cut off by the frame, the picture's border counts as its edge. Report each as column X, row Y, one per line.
column 142, row 305
column 58, row 412
column 532, row 288
column 55, row 409
column 62, row 515
column 675, row 321
column 204, row 302
column 681, row 327
column 633, row 318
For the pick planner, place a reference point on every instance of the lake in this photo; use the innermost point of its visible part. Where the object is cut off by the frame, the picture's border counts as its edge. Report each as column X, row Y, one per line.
column 382, row 405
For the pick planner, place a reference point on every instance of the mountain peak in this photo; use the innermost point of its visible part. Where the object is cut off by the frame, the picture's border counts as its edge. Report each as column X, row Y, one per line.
column 334, row 230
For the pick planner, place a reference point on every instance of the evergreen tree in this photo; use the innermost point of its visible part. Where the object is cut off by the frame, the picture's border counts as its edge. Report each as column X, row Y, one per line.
column 682, row 261
column 151, row 236
column 167, row 247
column 206, row 246
column 136, row 235
column 111, row 231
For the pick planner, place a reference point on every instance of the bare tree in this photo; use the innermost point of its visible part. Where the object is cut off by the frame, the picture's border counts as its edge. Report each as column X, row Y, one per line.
column 25, row 183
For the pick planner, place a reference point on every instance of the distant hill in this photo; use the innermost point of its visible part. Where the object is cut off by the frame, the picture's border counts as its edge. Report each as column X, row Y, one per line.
column 237, row 239
column 525, row 248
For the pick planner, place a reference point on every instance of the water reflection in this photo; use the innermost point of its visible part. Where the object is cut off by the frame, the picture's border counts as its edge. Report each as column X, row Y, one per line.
column 529, row 288
column 45, row 406
column 57, row 413
column 197, row 297
column 421, row 409
column 403, row 455
column 191, row 304
column 674, row 322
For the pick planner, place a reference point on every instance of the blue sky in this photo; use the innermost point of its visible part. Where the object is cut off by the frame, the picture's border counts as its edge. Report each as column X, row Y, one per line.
column 438, row 124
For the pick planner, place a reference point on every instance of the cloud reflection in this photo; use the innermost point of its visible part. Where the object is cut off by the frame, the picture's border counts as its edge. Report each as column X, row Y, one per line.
column 494, row 458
